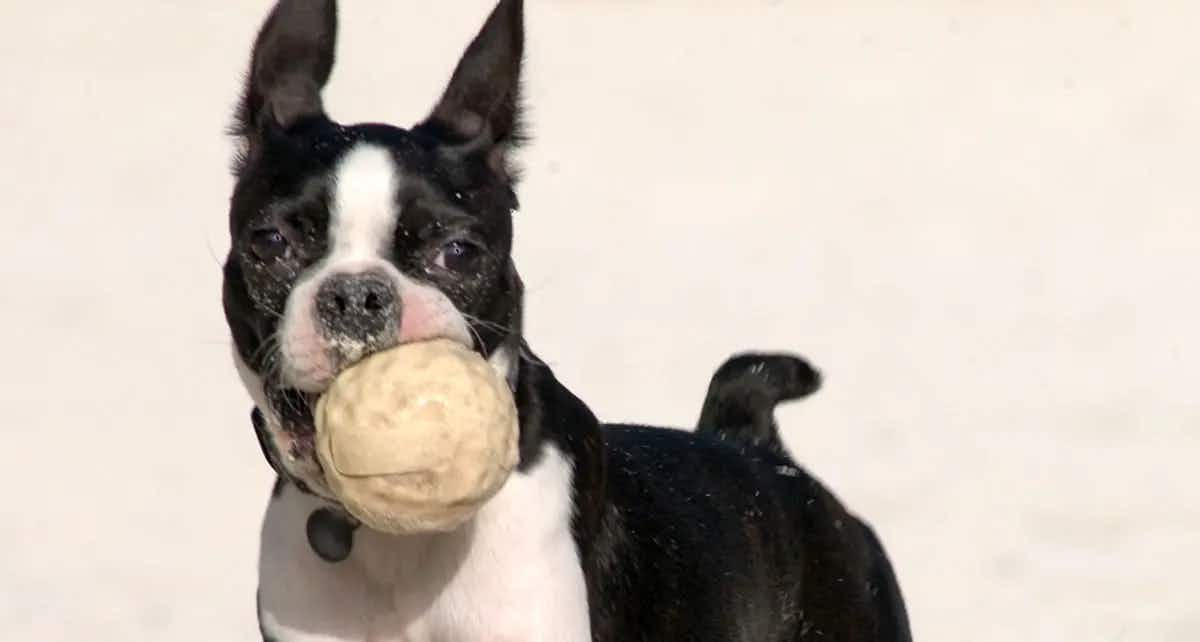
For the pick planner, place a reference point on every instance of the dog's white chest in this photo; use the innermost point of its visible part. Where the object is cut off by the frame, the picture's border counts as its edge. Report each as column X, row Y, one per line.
column 512, row 575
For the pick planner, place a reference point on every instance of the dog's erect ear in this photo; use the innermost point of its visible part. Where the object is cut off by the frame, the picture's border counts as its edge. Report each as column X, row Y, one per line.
column 292, row 58
column 480, row 109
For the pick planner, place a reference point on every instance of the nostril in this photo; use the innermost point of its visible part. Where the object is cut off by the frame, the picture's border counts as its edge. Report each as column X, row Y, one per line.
column 378, row 298
column 372, row 302
column 340, row 303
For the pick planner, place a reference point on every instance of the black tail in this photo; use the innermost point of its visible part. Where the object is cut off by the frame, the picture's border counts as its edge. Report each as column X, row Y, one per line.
column 740, row 405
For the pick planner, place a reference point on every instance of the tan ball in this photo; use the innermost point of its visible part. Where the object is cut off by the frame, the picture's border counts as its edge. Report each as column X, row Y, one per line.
column 415, row 439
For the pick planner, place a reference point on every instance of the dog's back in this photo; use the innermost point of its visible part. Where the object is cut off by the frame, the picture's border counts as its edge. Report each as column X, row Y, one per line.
column 782, row 558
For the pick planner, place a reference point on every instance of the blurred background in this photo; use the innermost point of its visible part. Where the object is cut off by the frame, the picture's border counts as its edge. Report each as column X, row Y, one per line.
column 980, row 219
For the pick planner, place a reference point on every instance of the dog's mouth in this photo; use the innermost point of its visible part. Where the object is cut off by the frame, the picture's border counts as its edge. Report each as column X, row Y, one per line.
column 288, row 437
column 287, row 433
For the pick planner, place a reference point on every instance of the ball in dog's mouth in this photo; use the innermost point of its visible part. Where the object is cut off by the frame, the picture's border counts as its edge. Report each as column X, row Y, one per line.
column 418, row 437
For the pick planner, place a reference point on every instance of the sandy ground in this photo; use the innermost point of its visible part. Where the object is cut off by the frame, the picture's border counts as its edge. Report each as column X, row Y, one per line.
column 980, row 219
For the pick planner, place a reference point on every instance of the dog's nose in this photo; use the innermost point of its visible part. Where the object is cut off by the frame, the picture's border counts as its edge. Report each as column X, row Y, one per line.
column 358, row 306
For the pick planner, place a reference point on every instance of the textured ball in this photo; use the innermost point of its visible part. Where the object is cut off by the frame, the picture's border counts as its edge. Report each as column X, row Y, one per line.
column 415, row 439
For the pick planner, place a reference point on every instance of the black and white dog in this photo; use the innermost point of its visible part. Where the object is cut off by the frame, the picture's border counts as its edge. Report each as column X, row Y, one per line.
column 351, row 239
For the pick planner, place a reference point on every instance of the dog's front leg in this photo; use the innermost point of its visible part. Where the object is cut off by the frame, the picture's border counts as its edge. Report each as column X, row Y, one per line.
column 301, row 597
column 519, row 579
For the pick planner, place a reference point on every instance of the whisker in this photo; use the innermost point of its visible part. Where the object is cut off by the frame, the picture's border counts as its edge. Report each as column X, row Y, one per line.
column 475, row 333
column 491, row 325
column 266, row 348
column 523, row 350
column 271, row 311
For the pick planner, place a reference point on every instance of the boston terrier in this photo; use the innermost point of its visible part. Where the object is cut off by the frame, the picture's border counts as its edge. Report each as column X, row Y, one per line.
column 349, row 239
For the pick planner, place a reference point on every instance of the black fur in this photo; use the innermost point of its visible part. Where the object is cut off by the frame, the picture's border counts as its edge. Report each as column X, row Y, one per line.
column 715, row 535
column 706, row 536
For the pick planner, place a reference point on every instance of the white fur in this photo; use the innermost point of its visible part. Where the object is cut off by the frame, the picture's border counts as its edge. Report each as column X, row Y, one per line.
column 363, row 210
column 512, row 574
column 503, row 362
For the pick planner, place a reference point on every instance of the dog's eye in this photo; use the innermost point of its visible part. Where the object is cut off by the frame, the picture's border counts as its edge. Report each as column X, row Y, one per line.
column 459, row 256
column 268, row 245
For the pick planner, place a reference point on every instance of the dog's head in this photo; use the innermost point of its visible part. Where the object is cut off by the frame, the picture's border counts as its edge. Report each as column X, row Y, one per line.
column 349, row 239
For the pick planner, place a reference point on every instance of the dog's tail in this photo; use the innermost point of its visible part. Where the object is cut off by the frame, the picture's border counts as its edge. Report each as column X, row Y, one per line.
column 740, row 406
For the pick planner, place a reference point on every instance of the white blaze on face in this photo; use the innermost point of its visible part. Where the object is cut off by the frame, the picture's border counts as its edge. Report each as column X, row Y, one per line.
column 363, row 217
column 363, row 211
